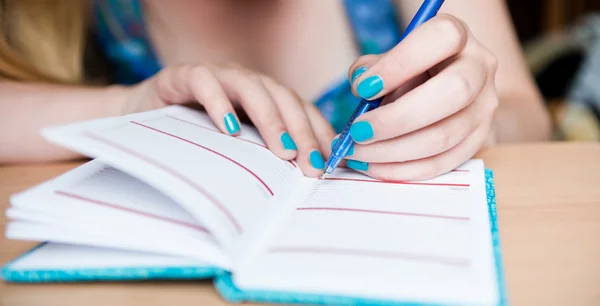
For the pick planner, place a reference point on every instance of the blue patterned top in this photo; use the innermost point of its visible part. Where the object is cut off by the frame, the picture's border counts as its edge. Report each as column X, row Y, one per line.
column 120, row 31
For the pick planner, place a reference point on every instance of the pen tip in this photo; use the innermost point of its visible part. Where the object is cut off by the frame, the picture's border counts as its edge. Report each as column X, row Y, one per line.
column 323, row 176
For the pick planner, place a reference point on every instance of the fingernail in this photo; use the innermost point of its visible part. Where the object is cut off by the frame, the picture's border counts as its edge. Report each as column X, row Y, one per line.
column 361, row 131
column 369, row 87
column 357, row 73
column 287, row 142
column 357, row 165
column 231, row 123
column 350, row 151
column 316, row 160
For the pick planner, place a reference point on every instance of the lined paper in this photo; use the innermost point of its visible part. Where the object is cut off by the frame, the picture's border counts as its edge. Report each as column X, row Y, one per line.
column 95, row 200
column 57, row 256
column 348, row 234
column 228, row 182
column 401, row 240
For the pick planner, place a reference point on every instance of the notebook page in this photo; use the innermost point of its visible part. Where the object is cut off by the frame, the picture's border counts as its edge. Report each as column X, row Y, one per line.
column 226, row 182
column 424, row 241
column 98, row 200
column 56, row 256
column 41, row 228
column 58, row 233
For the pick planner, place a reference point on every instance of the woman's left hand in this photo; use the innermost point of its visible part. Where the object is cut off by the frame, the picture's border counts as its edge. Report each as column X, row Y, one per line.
column 439, row 105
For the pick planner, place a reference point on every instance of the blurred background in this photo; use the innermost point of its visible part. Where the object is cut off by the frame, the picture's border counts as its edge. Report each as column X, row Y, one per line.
column 561, row 40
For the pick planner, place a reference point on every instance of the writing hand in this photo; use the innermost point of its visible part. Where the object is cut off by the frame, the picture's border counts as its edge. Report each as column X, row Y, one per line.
column 439, row 105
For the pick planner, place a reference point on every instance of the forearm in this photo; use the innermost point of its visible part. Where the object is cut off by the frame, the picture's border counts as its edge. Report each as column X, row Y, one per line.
column 27, row 108
column 519, row 120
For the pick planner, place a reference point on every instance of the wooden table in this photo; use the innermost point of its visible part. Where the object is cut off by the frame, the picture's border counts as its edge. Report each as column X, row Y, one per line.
column 549, row 217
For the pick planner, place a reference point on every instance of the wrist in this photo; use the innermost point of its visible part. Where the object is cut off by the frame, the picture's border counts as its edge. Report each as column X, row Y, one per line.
column 118, row 98
column 126, row 99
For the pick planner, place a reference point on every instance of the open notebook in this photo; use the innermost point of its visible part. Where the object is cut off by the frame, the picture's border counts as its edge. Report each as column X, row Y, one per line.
column 167, row 196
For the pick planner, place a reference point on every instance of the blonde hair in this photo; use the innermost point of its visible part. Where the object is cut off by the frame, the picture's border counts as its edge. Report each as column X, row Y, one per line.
column 43, row 40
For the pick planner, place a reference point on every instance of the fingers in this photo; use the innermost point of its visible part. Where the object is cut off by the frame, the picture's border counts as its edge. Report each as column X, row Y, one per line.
column 283, row 120
column 429, row 167
column 361, row 65
column 439, row 103
column 451, row 90
column 185, row 83
column 301, row 136
column 322, row 128
column 431, row 140
column 440, row 38
column 249, row 90
column 405, row 88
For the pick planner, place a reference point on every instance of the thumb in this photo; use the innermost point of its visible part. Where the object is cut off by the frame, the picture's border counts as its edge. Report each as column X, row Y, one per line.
column 360, row 66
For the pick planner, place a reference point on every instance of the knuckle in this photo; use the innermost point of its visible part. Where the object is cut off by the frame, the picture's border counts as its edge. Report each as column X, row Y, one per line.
column 293, row 93
column 245, row 79
column 197, row 71
column 430, row 170
column 283, row 94
column 493, row 104
column 491, row 61
column 212, row 98
column 463, row 85
column 276, row 128
column 453, row 30
column 295, row 97
column 385, row 173
column 394, row 64
column 232, row 65
column 442, row 139
column 270, row 81
column 162, row 80
column 306, row 143
column 237, row 75
column 254, row 77
column 270, row 121
column 163, row 84
column 276, row 87
column 310, row 108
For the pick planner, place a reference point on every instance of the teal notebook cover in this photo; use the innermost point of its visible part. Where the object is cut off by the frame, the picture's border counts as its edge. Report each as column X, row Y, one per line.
column 15, row 275
column 223, row 279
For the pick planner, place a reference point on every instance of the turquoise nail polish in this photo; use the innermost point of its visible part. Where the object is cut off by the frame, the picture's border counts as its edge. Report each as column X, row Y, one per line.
column 350, row 151
column 316, row 160
column 357, row 73
column 361, row 131
column 357, row 165
column 231, row 124
column 369, row 87
column 287, row 142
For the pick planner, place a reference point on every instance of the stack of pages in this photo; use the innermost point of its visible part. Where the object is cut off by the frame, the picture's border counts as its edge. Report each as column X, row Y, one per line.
column 167, row 196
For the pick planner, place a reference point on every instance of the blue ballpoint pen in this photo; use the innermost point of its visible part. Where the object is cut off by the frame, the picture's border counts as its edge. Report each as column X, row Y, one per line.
column 428, row 10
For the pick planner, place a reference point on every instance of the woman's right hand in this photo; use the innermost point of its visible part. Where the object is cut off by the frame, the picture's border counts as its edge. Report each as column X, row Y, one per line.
column 284, row 121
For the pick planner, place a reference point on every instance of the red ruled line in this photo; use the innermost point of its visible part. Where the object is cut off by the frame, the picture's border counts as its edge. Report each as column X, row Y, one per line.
column 397, row 182
column 216, row 131
column 207, row 149
column 197, row 125
column 451, row 261
column 134, row 211
column 386, row 213
column 165, row 168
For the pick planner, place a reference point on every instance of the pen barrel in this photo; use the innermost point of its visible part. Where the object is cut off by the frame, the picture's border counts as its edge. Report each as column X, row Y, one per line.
column 345, row 142
column 428, row 10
